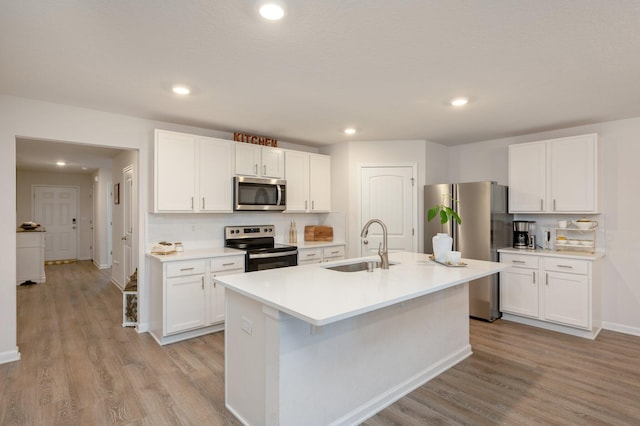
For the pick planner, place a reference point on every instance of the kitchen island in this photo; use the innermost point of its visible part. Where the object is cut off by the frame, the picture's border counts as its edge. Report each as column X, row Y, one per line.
column 314, row 346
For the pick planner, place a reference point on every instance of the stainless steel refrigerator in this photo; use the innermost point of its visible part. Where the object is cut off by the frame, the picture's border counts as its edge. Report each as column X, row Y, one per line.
column 486, row 227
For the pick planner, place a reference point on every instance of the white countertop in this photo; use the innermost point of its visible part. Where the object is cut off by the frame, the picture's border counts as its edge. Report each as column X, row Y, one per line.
column 321, row 296
column 197, row 254
column 554, row 253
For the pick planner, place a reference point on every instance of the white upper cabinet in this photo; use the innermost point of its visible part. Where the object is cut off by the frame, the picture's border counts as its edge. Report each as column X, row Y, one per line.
column 527, row 177
column 192, row 173
column 257, row 160
column 574, row 183
column 308, row 182
column 554, row 176
column 174, row 177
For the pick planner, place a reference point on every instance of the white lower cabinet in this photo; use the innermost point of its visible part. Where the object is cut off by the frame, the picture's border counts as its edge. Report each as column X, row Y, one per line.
column 185, row 303
column 553, row 292
column 219, row 267
column 310, row 255
column 184, row 300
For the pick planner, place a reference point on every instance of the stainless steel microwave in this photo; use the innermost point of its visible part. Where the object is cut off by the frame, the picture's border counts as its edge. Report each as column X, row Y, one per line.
column 259, row 194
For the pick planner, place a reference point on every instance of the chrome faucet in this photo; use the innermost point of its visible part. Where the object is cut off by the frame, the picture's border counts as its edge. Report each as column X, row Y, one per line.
column 382, row 248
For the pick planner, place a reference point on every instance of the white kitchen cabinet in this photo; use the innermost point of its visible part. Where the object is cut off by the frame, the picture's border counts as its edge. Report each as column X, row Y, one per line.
column 308, row 182
column 558, row 293
column 219, row 267
column 260, row 161
column 519, row 285
column 332, row 253
column 192, row 173
column 30, row 257
column 527, row 177
column 185, row 296
column 555, row 176
column 184, row 300
column 319, row 254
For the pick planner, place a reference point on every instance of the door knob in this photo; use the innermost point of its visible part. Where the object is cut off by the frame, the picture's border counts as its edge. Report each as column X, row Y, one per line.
column 124, row 238
column 365, row 242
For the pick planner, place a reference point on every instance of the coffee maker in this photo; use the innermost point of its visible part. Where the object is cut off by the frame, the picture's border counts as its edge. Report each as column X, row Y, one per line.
column 524, row 234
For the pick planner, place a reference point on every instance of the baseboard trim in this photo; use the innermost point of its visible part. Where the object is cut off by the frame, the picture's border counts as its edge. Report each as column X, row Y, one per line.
column 10, row 356
column 621, row 328
column 587, row 334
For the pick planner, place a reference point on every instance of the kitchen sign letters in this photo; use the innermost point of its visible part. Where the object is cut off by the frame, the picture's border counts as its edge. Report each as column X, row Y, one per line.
column 258, row 140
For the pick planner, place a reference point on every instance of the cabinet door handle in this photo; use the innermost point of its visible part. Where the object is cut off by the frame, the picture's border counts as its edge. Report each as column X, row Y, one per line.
column 313, row 204
column 202, row 203
column 255, row 167
column 306, row 203
column 335, row 252
column 565, row 266
column 229, row 264
column 534, row 277
column 202, row 280
column 311, row 254
column 546, row 281
column 191, row 203
column 187, row 269
column 264, row 169
column 518, row 261
column 554, row 204
column 541, row 205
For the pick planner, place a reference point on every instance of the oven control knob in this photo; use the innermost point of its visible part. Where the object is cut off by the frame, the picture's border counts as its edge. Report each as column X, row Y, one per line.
column 270, row 229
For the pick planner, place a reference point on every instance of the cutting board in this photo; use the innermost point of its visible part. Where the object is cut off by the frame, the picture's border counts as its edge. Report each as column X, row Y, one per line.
column 318, row 233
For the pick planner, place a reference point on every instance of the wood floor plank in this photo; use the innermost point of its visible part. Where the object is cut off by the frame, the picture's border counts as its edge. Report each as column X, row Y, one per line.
column 80, row 367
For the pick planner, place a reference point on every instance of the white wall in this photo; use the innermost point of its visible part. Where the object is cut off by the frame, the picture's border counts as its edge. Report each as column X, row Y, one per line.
column 24, row 183
column 620, row 142
column 101, row 217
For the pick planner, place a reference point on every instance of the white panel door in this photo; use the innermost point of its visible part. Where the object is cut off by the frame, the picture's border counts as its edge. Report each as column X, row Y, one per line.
column 388, row 194
column 128, row 200
column 56, row 208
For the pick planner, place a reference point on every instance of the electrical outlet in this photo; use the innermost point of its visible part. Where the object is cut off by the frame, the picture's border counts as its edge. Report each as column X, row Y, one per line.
column 246, row 325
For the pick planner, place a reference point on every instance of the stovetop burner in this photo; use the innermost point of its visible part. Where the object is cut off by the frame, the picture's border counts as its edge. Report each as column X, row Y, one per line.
column 254, row 239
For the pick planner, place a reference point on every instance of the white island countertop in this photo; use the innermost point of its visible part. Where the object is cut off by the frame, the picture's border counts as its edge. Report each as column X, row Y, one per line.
column 322, row 296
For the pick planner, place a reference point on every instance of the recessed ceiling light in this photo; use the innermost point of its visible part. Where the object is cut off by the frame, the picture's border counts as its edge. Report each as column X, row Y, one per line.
column 61, row 163
column 181, row 90
column 459, row 101
column 84, row 168
column 350, row 131
column 272, row 10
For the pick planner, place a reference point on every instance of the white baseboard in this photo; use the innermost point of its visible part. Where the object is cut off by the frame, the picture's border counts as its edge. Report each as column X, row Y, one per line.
column 587, row 334
column 9, row 356
column 117, row 284
column 142, row 327
column 621, row 328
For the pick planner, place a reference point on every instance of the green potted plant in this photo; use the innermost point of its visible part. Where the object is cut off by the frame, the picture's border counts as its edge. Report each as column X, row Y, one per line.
column 442, row 242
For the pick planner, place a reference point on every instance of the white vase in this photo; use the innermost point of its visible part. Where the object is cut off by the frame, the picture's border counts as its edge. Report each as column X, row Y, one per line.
column 442, row 243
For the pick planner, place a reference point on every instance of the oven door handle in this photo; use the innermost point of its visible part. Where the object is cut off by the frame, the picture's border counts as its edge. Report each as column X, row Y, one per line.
column 268, row 255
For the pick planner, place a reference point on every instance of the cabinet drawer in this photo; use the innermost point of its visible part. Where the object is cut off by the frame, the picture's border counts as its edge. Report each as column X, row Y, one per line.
column 305, row 255
column 519, row 260
column 186, row 267
column 572, row 266
column 330, row 252
column 226, row 263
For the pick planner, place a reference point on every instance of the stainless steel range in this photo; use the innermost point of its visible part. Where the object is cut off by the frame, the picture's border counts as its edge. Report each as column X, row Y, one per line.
column 259, row 243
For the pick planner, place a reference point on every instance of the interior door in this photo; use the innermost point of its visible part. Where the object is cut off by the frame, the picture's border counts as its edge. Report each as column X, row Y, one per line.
column 388, row 193
column 56, row 208
column 128, row 223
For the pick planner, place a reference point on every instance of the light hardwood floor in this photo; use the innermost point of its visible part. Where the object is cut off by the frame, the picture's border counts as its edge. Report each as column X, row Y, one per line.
column 80, row 367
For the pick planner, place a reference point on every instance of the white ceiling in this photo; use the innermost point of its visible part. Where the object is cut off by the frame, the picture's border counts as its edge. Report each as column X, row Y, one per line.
column 387, row 68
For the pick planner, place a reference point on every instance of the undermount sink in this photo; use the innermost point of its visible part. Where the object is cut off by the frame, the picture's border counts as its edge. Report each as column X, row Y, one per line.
column 356, row 267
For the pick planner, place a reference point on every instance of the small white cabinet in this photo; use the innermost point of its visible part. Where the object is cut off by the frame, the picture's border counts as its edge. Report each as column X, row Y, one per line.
column 555, row 176
column 185, row 301
column 30, row 257
column 559, row 293
column 308, row 182
column 257, row 160
column 192, row 173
